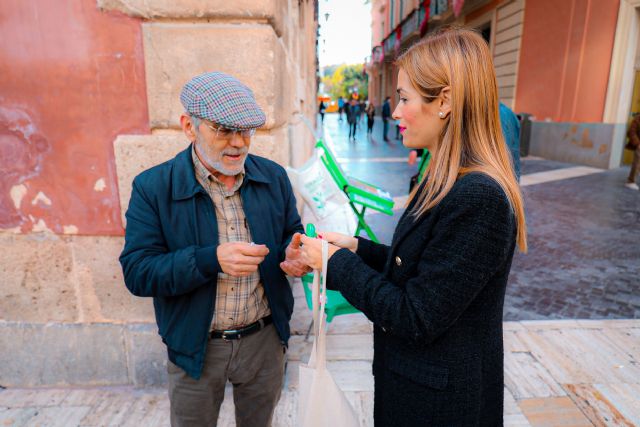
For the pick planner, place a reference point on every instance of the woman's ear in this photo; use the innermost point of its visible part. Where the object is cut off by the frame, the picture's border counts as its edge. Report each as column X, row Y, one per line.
column 445, row 101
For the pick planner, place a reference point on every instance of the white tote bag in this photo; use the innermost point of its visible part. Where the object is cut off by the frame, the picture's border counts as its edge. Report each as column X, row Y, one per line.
column 321, row 403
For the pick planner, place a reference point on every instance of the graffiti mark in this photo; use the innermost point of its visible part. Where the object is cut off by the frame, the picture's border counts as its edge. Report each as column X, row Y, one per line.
column 69, row 229
column 22, row 149
column 17, row 193
column 41, row 197
column 100, row 185
column 585, row 141
column 40, row 226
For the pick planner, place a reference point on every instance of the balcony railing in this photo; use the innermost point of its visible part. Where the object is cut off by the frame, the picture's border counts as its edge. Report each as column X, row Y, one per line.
column 411, row 24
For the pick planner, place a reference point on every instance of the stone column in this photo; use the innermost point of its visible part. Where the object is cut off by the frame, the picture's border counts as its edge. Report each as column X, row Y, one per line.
column 269, row 45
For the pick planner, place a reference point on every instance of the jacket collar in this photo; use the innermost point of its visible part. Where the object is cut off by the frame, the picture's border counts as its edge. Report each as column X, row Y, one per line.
column 183, row 176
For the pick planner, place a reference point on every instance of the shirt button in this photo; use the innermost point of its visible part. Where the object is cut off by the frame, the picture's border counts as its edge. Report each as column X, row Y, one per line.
column 398, row 261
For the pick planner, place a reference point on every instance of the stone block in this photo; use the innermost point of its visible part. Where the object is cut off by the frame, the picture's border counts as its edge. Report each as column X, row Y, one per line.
column 102, row 293
column 273, row 145
column 37, row 282
column 176, row 52
column 273, row 11
column 147, row 355
column 136, row 153
column 57, row 354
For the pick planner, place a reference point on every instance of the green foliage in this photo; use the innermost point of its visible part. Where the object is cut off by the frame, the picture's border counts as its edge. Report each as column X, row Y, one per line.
column 344, row 80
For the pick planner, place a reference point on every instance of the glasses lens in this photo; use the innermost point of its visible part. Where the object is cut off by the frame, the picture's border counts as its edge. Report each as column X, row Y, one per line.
column 248, row 133
column 225, row 132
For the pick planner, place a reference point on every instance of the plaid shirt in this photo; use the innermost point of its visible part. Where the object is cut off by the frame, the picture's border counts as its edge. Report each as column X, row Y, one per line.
column 240, row 301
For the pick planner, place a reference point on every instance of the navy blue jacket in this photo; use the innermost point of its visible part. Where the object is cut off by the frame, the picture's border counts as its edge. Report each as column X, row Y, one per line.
column 171, row 241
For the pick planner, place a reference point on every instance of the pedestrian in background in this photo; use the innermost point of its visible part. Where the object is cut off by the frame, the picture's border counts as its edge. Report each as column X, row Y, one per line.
column 436, row 295
column 321, row 108
column 352, row 118
column 371, row 111
column 222, row 303
column 634, row 144
column 511, row 130
column 386, row 116
column 340, row 108
column 362, row 106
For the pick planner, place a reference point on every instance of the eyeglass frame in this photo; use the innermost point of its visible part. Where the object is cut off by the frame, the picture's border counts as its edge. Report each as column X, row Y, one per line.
column 244, row 133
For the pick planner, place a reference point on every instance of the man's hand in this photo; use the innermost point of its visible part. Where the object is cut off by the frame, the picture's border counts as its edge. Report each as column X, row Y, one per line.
column 240, row 259
column 293, row 264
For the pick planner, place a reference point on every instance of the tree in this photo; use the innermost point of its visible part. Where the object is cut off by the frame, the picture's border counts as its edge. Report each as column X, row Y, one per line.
column 345, row 80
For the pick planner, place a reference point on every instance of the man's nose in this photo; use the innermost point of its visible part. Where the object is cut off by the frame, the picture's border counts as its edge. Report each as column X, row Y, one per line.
column 237, row 140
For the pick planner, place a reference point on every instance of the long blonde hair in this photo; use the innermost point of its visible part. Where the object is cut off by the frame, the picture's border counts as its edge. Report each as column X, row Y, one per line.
column 471, row 140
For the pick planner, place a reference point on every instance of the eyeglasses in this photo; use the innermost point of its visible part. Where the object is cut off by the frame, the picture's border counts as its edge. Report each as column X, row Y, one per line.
column 228, row 134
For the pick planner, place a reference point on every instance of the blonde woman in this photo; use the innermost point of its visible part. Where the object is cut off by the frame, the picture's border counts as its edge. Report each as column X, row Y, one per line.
column 436, row 294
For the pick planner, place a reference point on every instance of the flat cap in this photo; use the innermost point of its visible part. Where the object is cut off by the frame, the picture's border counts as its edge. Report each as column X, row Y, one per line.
column 224, row 100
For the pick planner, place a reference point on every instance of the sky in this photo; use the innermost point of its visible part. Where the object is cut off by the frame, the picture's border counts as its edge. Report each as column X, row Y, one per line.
column 347, row 32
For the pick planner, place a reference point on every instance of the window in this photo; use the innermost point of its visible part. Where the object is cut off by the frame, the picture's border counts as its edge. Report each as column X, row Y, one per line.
column 485, row 31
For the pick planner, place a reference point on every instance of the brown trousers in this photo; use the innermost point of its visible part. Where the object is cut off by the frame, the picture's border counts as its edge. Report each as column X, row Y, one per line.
column 255, row 367
column 635, row 165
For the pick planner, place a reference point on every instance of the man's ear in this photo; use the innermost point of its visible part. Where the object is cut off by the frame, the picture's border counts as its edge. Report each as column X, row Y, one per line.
column 445, row 100
column 187, row 127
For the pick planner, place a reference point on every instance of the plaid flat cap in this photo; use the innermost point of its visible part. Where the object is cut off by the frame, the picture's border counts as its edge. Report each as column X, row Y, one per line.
column 222, row 99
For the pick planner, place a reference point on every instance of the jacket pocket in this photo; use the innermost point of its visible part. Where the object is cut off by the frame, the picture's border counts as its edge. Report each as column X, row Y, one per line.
column 433, row 376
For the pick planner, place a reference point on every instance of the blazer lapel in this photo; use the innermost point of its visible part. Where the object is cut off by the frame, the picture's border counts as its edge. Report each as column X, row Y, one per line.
column 405, row 226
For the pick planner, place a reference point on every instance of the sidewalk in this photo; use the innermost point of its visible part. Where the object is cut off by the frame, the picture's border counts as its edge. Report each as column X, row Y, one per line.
column 557, row 373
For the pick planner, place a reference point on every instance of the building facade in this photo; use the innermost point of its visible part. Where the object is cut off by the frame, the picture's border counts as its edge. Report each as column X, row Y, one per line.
column 89, row 97
column 571, row 65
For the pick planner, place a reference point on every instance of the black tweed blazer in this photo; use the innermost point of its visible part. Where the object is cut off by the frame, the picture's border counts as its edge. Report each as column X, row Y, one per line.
column 436, row 297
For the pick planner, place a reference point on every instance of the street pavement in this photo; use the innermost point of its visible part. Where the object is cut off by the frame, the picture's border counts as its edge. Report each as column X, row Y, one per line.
column 584, row 232
column 582, row 264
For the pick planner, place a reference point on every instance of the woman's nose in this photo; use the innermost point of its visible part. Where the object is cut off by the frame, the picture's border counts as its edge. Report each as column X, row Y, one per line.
column 396, row 113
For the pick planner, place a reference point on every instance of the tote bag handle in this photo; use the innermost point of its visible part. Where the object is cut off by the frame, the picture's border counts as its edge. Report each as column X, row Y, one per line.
column 319, row 299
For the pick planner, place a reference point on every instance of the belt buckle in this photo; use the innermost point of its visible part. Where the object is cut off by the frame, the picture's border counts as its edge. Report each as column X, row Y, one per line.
column 224, row 334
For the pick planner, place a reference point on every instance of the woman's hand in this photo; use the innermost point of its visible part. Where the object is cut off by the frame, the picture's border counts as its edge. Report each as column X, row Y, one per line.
column 340, row 240
column 312, row 251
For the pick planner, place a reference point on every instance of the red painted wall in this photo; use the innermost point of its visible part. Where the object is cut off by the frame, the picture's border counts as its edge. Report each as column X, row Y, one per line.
column 71, row 79
column 565, row 59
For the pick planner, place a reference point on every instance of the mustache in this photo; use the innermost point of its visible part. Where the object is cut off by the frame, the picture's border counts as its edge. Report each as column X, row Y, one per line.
column 235, row 151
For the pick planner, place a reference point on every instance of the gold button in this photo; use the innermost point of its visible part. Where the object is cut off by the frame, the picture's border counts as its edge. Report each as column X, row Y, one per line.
column 398, row 261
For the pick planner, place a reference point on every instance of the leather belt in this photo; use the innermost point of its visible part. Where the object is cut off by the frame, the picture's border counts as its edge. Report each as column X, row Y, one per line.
column 236, row 334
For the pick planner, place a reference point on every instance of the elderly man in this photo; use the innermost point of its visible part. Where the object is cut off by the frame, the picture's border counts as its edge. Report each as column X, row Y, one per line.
column 210, row 235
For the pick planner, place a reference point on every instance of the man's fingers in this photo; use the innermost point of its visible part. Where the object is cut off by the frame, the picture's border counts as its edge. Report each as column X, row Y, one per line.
column 253, row 250
column 241, row 270
column 293, row 270
column 295, row 240
column 246, row 259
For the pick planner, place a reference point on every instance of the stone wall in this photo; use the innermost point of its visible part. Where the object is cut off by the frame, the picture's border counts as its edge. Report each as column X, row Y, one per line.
column 65, row 314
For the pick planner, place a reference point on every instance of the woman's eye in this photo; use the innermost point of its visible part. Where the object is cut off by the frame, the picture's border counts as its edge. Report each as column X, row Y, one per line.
column 403, row 100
